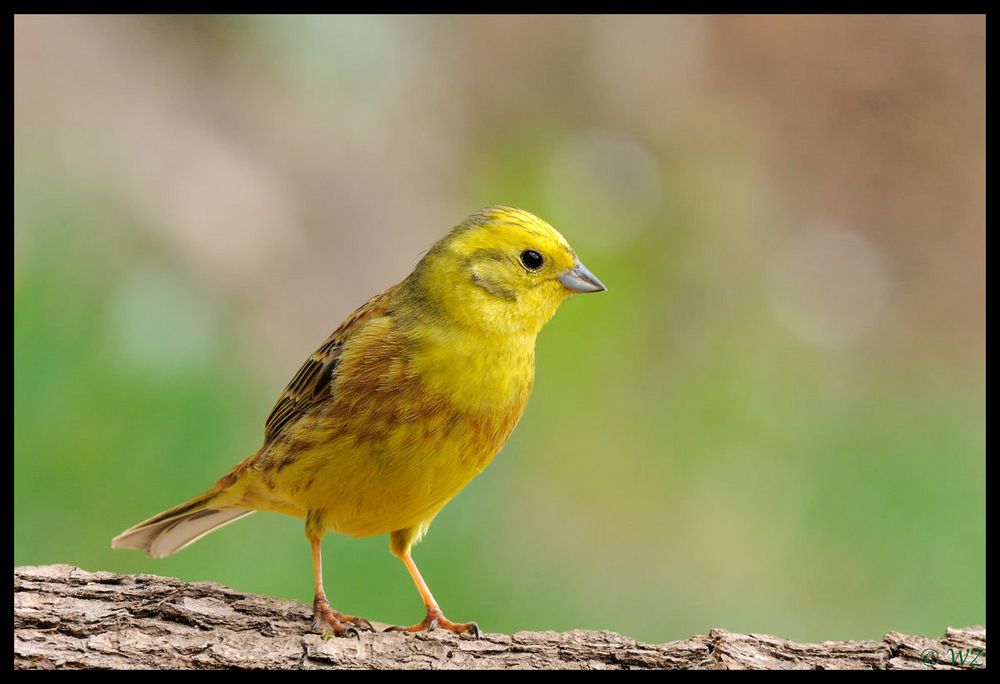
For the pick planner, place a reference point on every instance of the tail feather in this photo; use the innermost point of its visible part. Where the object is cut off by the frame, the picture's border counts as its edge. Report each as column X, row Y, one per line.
column 172, row 530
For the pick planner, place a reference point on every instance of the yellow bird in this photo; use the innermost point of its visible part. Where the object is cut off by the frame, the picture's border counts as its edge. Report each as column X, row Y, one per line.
column 407, row 401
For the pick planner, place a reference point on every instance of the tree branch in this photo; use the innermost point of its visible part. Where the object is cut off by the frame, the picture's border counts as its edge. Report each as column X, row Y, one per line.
column 65, row 617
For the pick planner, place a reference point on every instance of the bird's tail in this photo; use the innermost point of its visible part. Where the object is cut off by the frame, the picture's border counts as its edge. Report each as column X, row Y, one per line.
column 174, row 529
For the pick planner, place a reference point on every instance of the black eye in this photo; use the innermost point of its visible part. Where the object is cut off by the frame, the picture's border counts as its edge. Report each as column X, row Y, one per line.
column 532, row 260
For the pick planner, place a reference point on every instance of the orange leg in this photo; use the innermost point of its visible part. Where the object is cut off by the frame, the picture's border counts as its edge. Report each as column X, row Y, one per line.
column 435, row 618
column 322, row 612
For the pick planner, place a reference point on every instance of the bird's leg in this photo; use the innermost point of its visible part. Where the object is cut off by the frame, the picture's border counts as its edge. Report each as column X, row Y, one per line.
column 435, row 619
column 322, row 612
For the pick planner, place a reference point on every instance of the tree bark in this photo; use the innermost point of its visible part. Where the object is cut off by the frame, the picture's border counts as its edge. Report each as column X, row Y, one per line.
column 65, row 617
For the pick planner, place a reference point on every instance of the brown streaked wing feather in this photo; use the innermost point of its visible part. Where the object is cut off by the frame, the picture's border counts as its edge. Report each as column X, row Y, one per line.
column 312, row 381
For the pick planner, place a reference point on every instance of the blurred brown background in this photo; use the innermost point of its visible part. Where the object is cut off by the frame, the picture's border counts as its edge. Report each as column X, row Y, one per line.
column 774, row 421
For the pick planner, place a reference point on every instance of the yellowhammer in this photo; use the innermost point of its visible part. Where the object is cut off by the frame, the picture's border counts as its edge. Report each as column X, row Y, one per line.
column 407, row 401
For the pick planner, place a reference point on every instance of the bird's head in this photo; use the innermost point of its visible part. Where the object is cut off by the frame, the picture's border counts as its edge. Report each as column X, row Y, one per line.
column 502, row 269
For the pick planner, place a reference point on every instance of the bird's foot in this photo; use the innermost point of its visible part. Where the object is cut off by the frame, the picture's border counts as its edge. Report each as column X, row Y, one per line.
column 435, row 620
column 342, row 625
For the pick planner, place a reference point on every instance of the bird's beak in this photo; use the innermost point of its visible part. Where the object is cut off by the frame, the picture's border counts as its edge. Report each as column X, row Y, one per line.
column 580, row 279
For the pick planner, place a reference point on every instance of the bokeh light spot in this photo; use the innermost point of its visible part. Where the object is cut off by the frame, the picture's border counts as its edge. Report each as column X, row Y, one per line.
column 827, row 285
column 161, row 324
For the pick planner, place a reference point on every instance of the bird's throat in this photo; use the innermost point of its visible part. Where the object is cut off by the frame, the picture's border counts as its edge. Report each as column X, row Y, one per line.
column 477, row 374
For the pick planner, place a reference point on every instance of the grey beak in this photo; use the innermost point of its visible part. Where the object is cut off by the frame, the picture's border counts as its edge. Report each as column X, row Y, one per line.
column 580, row 279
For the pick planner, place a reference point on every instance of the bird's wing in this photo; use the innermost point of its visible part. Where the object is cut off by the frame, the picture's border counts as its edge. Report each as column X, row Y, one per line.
column 312, row 382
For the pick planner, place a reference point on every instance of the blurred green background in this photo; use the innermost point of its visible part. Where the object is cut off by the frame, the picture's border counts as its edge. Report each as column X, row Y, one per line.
column 774, row 421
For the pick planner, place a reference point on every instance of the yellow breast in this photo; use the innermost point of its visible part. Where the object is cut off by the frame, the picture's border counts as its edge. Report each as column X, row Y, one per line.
column 410, row 423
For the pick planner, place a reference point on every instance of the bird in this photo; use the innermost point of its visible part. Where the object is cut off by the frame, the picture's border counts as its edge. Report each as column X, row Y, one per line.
column 407, row 401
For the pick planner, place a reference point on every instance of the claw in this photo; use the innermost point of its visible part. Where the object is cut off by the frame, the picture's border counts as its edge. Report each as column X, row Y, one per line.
column 340, row 629
column 340, row 624
column 437, row 621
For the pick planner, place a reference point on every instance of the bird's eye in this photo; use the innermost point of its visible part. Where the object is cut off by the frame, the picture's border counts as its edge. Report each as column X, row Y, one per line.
column 532, row 260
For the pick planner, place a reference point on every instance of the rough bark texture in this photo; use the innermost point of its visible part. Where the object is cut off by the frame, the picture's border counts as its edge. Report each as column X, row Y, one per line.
column 65, row 617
